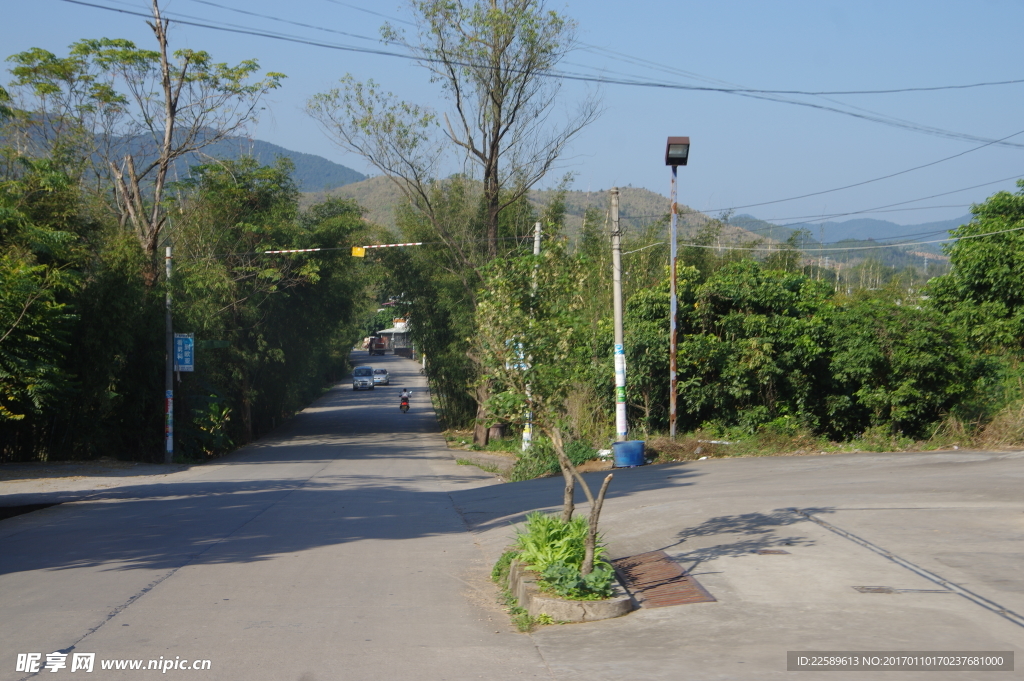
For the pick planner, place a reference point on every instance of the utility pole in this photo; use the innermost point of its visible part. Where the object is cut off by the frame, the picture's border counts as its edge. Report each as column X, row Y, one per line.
column 528, row 428
column 621, row 427
column 673, row 313
column 677, row 153
column 169, row 369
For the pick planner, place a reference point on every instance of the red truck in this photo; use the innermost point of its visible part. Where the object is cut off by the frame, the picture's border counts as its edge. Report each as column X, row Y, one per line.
column 377, row 345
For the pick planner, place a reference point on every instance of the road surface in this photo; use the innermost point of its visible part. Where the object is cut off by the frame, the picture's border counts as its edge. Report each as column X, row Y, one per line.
column 350, row 545
column 329, row 550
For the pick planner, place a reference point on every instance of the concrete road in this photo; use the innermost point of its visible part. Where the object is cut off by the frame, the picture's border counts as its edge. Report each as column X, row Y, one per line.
column 944, row 530
column 330, row 550
column 349, row 545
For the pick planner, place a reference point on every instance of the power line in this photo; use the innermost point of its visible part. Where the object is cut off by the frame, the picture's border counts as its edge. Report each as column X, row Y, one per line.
column 370, row 11
column 179, row 17
column 548, row 74
column 863, row 248
column 925, row 198
column 877, row 209
column 740, row 90
column 811, row 218
column 816, row 93
column 766, row 203
column 732, row 90
column 819, row 217
column 285, row 21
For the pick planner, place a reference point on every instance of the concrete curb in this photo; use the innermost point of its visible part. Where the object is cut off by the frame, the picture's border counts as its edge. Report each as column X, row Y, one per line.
column 523, row 585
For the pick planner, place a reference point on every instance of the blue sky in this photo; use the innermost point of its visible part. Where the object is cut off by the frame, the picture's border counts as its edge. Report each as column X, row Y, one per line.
column 744, row 150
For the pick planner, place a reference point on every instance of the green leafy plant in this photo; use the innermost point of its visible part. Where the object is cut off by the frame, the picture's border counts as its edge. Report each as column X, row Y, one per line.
column 556, row 550
column 567, row 582
column 520, row 617
column 540, row 459
column 499, row 573
column 548, row 540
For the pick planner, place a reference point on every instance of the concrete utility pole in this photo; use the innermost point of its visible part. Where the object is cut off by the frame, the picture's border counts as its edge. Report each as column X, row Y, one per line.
column 621, row 427
column 169, row 369
column 528, row 428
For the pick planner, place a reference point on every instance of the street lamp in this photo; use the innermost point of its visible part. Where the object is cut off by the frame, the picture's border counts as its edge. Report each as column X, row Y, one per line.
column 677, row 153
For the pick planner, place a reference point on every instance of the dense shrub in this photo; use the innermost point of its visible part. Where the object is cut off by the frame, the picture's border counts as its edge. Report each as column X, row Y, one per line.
column 556, row 549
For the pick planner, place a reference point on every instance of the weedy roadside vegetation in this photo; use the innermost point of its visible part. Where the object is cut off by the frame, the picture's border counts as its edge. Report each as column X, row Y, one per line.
column 499, row 575
column 556, row 549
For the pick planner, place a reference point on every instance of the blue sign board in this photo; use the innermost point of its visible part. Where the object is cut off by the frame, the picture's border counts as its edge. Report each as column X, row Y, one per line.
column 184, row 352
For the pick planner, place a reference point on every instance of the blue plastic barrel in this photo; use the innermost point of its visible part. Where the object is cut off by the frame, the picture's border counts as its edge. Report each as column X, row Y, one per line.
column 628, row 454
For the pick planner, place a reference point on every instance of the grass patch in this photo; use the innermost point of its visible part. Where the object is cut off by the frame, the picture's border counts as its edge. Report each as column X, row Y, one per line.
column 458, row 438
column 499, row 574
column 508, row 445
column 541, row 461
column 493, row 470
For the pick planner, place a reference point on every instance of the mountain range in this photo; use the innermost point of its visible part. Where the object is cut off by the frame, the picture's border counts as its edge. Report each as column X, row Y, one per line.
column 859, row 229
column 312, row 173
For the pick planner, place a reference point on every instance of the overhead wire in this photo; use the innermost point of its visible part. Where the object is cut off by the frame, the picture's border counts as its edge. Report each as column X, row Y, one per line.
column 735, row 90
column 282, row 20
column 730, row 90
column 925, row 198
column 548, row 74
column 741, row 90
column 370, row 11
column 865, row 182
column 694, row 211
column 527, row 238
column 817, row 217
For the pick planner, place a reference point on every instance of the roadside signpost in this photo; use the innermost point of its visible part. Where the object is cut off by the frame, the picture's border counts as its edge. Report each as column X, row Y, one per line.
column 184, row 352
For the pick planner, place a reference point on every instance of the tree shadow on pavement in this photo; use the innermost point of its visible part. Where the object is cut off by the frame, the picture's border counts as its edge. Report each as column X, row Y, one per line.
column 487, row 507
column 222, row 522
column 747, row 534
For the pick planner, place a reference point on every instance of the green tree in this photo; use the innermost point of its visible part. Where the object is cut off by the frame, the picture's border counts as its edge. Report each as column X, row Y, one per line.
column 381, row 319
column 133, row 112
column 438, row 291
column 284, row 321
column 895, row 366
column 491, row 59
column 751, row 347
column 984, row 291
column 532, row 344
column 593, row 236
column 36, row 273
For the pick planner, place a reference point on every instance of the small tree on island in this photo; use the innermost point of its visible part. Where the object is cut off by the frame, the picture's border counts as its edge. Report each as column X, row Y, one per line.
column 533, row 349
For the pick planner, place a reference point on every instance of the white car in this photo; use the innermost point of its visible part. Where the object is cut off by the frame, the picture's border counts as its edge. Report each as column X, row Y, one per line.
column 381, row 377
column 362, row 378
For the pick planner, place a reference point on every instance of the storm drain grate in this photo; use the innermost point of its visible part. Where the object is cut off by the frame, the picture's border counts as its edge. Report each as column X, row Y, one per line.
column 771, row 552
column 656, row 581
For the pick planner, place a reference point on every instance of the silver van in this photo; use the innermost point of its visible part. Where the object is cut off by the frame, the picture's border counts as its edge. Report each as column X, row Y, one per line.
column 362, row 377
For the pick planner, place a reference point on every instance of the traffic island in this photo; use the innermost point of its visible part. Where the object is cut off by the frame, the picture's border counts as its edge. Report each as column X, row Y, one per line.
column 523, row 585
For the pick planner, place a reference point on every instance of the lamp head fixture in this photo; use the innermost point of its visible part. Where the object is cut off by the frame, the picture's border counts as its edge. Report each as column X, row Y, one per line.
column 677, row 151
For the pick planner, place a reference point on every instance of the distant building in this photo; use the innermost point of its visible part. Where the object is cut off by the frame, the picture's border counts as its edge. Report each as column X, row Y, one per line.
column 397, row 336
